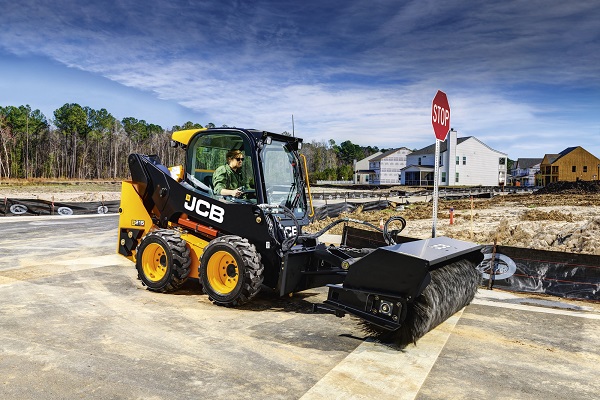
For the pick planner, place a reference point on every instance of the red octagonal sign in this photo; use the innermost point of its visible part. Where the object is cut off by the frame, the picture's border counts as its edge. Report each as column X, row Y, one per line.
column 440, row 115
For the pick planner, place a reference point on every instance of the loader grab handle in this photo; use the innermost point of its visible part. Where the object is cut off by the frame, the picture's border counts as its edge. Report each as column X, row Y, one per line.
column 312, row 209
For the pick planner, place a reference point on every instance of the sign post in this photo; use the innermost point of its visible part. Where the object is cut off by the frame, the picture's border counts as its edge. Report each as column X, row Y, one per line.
column 440, row 119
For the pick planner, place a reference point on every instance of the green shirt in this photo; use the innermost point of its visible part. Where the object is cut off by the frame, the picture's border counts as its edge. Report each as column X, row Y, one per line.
column 226, row 178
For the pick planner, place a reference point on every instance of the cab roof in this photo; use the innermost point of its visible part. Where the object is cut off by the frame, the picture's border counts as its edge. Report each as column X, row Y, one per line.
column 185, row 136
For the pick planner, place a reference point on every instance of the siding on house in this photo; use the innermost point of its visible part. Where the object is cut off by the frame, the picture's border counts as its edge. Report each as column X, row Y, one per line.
column 569, row 165
column 478, row 164
column 387, row 166
column 361, row 169
column 484, row 165
column 524, row 171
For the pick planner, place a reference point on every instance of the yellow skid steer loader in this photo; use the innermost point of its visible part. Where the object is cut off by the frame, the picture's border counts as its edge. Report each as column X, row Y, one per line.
column 174, row 226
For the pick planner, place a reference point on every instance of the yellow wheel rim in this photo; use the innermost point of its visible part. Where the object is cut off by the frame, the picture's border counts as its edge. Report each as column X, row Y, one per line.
column 222, row 272
column 154, row 262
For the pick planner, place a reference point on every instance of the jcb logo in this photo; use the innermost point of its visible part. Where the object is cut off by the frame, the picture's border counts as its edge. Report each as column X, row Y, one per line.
column 204, row 208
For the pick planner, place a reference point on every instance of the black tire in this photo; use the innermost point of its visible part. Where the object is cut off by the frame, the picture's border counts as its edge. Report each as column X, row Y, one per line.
column 163, row 261
column 230, row 271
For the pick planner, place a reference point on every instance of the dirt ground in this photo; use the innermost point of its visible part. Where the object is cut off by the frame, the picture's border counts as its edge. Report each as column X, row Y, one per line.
column 66, row 191
column 566, row 219
column 560, row 222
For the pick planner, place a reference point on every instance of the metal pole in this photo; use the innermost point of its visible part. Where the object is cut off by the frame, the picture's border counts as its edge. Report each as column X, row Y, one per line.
column 435, row 185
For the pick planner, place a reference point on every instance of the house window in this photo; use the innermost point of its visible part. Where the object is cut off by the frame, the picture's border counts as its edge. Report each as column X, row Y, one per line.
column 441, row 160
column 464, row 160
column 419, row 160
column 574, row 168
column 443, row 177
column 585, row 168
column 457, row 160
column 456, row 178
column 502, row 161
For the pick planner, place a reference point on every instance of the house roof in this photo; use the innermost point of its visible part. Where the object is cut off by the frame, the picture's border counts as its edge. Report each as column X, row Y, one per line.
column 567, row 151
column 369, row 158
column 418, row 167
column 552, row 158
column 443, row 147
column 387, row 153
column 525, row 163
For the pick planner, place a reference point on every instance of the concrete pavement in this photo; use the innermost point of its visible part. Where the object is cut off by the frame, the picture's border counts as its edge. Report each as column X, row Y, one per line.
column 76, row 323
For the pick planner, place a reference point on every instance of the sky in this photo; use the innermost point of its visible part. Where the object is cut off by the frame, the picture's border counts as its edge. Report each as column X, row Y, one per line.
column 523, row 77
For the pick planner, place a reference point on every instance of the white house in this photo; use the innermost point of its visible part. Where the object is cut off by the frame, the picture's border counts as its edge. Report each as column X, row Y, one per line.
column 386, row 167
column 361, row 169
column 524, row 170
column 463, row 162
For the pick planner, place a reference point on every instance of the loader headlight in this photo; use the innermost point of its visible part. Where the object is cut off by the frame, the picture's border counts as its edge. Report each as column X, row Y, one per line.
column 386, row 307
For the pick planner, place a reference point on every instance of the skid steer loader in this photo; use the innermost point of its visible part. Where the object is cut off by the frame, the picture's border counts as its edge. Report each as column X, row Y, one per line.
column 174, row 226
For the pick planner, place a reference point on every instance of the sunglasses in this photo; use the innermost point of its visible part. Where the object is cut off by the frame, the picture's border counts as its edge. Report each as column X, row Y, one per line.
column 240, row 159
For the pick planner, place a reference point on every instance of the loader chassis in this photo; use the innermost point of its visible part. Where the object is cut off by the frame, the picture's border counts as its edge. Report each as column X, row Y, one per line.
column 173, row 226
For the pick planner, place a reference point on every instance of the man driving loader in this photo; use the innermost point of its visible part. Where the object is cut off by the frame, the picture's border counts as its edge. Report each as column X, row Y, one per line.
column 229, row 179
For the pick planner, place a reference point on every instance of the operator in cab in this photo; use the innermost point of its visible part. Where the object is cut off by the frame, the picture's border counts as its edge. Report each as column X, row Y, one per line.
column 229, row 179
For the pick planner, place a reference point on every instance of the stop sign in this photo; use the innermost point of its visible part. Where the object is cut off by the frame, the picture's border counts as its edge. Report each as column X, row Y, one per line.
column 440, row 115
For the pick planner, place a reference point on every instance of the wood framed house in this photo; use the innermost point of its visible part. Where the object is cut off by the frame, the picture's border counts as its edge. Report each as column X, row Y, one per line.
column 571, row 164
column 463, row 162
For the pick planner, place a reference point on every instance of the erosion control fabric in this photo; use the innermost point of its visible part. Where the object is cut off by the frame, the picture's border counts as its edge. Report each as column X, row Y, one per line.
column 20, row 207
column 568, row 275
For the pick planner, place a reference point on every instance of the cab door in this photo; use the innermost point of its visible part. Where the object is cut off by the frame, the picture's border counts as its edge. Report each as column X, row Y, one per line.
column 208, row 151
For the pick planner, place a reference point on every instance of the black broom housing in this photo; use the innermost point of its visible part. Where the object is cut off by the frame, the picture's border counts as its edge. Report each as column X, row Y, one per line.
column 452, row 287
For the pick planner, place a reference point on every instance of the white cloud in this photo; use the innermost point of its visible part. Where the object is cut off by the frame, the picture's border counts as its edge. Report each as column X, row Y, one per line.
column 347, row 70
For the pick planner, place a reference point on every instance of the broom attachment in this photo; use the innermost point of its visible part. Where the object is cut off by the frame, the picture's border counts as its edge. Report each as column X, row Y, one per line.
column 403, row 291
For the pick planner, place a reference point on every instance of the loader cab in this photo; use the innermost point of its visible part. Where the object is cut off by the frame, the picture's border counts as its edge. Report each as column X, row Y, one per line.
column 270, row 166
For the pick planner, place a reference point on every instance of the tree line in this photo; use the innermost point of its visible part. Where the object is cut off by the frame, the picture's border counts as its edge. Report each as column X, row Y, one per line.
column 82, row 143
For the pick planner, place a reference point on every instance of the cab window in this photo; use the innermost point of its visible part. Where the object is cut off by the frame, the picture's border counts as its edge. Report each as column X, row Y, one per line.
column 208, row 152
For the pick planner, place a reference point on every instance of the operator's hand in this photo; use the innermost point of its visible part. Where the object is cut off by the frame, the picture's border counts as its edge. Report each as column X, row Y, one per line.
column 237, row 192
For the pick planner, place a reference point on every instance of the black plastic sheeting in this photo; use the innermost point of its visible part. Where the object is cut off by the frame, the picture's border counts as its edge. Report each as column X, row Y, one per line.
column 321, row 195
column 334, row 210
column 516, row 269
column 13, row 207
column 568, row 275
column 20, row 207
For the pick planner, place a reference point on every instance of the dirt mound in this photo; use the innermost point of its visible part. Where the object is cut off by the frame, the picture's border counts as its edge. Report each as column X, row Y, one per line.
column 578, row 187
column 552, row 215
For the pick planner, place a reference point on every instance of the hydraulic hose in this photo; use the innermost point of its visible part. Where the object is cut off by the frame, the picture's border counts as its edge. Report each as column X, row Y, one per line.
column 387, row 235
column 275, row 228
